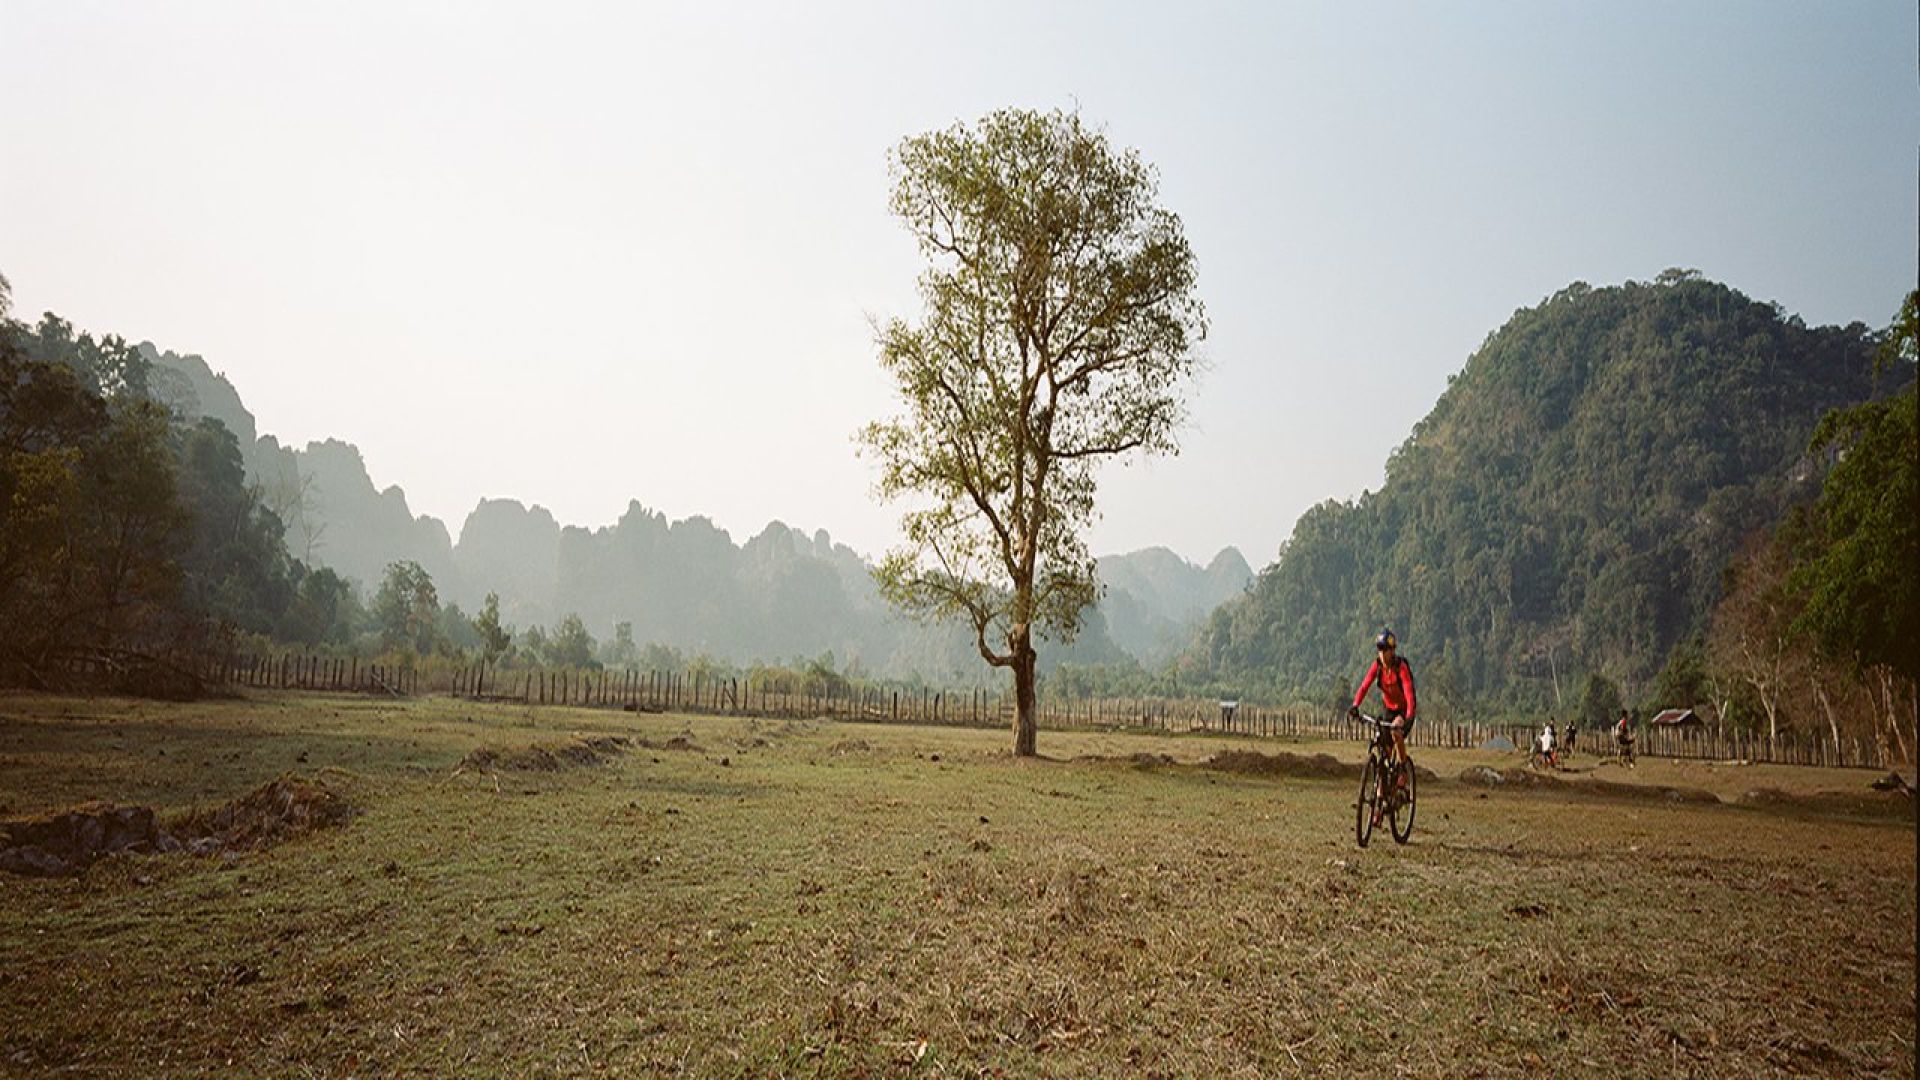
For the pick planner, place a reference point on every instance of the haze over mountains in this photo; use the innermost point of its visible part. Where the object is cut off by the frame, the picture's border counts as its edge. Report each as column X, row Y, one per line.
column 782, row 593
column 1567, row 509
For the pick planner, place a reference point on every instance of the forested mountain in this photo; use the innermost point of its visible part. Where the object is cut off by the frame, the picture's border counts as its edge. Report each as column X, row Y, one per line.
column 1568, row 506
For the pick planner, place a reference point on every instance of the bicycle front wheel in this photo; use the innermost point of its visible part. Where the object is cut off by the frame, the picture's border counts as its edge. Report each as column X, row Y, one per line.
column 1369, row 796
column 1401, row 816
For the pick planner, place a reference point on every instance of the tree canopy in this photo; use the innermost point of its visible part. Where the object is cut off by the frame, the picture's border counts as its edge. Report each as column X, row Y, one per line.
column 1862, row 596
column 1059, row 316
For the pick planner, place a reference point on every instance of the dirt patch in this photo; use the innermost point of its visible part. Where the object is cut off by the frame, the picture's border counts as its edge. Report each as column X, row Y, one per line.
column 1535, row 780
column 1315, row 766
column 1482, row 776
column 683, row 741
column 273, row 812
column 850, row 746
column 547, row 757
column 1876, row 804
column 69, row 841
column 1254, row 763
column 1642, row 791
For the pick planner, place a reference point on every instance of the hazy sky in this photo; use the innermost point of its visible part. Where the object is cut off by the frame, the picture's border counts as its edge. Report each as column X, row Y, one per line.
column 576, row 255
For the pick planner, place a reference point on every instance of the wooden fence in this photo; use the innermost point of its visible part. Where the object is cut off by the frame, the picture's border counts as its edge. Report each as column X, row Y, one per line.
column 791, row 696
column 297, row 671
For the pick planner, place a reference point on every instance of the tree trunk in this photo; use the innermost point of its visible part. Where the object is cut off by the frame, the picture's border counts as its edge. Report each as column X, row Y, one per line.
column 1833, row 723
column 1891, row 701
column 1025, row 722
column 1555, row 668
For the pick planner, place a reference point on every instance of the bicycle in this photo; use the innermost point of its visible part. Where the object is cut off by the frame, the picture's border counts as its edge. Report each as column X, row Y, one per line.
column 1381, row 791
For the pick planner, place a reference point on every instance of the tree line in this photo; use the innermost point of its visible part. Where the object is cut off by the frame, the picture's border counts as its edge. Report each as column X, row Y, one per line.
column 121, row 525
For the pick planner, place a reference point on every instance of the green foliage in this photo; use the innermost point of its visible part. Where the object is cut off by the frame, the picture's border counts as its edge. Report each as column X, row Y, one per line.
column 534, row 647
column 406, row 609
column 494, row 639
column 457, row 633
column 119, row 525
column 658, row 657
column 90, row 524
column 570, row 644
column 1567, row 505
column 1599, row 701
column 1862, row 592
column 822, row 672
column 1682, row 683
column 236, row 564
column 621, row 652
column 1058, row 314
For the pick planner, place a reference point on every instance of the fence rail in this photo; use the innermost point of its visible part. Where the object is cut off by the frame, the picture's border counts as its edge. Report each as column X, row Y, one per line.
column 790, row 696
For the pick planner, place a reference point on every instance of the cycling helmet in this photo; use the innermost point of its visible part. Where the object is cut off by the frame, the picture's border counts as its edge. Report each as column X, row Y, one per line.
column 1386, row 640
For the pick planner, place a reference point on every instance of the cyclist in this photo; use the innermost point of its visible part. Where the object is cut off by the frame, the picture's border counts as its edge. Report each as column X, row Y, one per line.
column 1545, row 743
column 1623, row 736
column 1395, row 677
column 1571, row 732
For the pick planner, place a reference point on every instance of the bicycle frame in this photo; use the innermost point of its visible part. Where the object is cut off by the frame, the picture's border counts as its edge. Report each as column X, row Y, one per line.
column 1382, row 791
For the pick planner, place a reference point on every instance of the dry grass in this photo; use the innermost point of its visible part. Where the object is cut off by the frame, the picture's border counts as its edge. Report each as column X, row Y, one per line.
column 735, row 897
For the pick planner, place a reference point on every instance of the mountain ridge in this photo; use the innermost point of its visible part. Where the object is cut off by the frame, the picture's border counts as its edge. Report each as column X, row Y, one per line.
column 687, row 584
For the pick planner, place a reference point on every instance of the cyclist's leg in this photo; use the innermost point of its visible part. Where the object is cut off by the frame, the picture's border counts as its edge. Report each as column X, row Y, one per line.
column 1400, row 750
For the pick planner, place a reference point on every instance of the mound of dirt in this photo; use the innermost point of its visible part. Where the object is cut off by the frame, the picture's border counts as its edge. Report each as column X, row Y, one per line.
column 269, row 814
column 850, row 746
column 682, row 741
column 69, row 841
column 1533, row 779
column 1254, row 763
column 542, row 757
column 1316, row 766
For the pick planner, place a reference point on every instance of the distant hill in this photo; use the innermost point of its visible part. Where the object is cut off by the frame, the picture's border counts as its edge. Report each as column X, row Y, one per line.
column 1155, row 600
column 781, row 594
column 1567, row 507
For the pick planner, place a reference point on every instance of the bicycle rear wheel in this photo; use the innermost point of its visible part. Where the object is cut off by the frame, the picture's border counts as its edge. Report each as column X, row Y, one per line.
column 1400, row 817
column 1369, row 796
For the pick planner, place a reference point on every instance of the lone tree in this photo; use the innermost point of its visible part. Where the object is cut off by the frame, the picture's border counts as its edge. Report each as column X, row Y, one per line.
column 1059, row 314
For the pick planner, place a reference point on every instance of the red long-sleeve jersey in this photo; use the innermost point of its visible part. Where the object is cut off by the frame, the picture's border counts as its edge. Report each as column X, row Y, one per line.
column 1396, row 686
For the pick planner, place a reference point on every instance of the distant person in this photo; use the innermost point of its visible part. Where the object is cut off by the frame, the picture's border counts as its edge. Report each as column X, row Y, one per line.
column 1546, row 744
column 1623, row 737
column 1395, row 677
column 1571, row 732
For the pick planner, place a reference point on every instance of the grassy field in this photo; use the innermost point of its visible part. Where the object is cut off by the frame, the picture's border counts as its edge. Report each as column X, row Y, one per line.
column 750, row 897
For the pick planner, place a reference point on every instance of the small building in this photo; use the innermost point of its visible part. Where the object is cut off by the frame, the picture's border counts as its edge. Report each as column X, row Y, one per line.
column 1677, row 718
